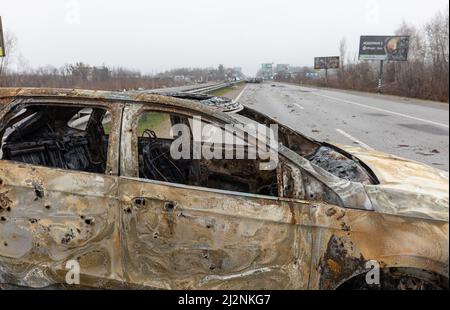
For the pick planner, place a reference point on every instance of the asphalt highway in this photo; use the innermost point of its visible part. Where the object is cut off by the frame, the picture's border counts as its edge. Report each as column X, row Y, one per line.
column 413, row 129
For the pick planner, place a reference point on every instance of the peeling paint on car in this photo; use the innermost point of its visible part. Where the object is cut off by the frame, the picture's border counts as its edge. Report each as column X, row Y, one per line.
column 127, row 232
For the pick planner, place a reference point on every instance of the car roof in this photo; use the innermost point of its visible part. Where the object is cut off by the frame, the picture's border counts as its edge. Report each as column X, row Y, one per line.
column 206, row 103
column 222, row 103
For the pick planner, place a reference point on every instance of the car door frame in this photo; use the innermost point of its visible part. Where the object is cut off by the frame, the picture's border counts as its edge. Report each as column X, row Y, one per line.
column 93, row 241
column 175, row 202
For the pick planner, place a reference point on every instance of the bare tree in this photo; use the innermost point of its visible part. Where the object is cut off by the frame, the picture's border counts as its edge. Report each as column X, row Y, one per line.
column 425, row 75
column 5, row 62
column 437, row 33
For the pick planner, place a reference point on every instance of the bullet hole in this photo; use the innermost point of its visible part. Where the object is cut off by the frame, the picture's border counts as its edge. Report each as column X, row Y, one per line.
column 209, row 226
column 345, row 227
column 212, row 267
column 311, row 195
column 1, row 182
column 155, row 235
column 33, row 221
column 2, row 219
column 128, row 210
column 8, row 209
column 67, row 238
column 89, row 221
column 48, row 207
column 169, row 206
column 5, row 243
column 39, row 192
column 139, row 202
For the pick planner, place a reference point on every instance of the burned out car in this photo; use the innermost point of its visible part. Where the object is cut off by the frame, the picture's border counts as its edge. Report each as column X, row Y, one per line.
column 87, row 178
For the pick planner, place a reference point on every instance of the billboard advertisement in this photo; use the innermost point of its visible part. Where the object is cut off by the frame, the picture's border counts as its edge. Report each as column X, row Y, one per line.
column 2, row 42
column 326, row 62
column 391, row 48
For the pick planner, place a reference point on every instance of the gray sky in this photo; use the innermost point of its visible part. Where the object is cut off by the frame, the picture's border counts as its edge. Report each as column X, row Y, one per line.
column 156, row 35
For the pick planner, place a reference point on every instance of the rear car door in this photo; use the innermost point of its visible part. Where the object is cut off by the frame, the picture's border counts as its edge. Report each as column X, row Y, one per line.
column 58, row 187
column 203, row 233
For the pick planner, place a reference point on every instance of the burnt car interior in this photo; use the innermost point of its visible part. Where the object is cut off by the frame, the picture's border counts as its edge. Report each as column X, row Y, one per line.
column 63, row 137
column 75, row 138
column 156, row 163
column 323, row 155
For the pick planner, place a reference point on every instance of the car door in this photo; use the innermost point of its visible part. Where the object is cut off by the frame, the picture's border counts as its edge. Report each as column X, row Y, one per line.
column 51, row 216
column 178, row 236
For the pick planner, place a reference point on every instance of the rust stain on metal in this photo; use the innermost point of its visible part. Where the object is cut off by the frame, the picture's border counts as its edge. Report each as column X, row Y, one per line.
column 310, row 224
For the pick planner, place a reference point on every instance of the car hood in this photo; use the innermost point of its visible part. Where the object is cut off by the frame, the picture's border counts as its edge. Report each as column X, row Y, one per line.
column 406, row 187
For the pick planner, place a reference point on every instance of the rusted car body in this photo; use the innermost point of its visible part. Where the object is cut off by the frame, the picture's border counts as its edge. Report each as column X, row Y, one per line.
column 319, row 221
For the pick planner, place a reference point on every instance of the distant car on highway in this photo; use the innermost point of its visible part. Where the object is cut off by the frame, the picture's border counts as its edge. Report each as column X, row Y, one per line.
column 109, row 197
column 254, row 80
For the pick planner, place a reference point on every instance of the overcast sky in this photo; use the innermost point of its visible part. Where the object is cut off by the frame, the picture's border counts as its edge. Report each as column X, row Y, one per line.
column 155, row 35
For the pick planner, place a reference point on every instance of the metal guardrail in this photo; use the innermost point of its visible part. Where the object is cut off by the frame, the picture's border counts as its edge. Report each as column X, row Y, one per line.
column 193, row 89
column 208, row 89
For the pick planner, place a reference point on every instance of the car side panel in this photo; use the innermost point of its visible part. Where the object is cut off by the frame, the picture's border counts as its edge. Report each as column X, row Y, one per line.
column 178, row 237
column 51, row 216
column 346, row 240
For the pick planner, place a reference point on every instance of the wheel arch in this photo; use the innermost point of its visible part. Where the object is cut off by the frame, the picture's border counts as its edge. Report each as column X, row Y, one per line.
column 389, row 276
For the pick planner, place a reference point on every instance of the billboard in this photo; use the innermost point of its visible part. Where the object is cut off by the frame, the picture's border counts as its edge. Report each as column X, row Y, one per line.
column 393, row 48
column 2, row 42
column 326, row 62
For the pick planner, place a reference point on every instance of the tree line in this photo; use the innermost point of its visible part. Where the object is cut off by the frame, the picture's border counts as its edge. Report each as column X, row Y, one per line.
column 85, row 76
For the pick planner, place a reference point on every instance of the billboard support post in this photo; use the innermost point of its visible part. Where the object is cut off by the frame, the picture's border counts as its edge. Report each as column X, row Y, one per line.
column 381, row 48
column 380, row 77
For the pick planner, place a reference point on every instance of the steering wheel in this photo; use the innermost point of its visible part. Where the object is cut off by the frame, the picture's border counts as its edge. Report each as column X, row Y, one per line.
column 157, row 163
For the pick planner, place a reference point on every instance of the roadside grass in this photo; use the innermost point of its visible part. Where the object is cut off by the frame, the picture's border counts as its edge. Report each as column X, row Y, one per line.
column 155, row 121
column 222, row 92
column 158, row 122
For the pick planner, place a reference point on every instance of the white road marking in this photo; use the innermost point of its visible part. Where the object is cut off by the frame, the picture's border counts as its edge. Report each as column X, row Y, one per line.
column 354, row 139
column 301, row 108
column 241, row 93
column 383, row 110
